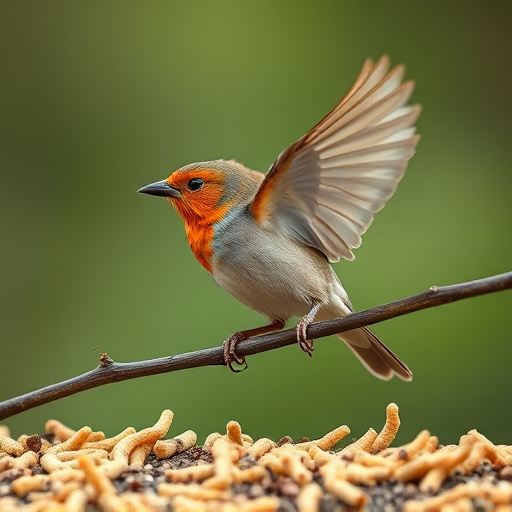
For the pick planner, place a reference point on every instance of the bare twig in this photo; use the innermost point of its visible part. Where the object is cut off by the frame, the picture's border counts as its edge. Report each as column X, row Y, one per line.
column 109, row 371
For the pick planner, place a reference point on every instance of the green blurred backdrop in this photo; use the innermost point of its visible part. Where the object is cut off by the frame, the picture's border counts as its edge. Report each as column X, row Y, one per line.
column 99, row 98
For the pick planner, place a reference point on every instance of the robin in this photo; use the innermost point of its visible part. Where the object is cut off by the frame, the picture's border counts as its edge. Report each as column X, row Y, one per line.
column 268, row 239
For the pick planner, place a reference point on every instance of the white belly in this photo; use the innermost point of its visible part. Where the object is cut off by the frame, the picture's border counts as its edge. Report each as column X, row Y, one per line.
column 275, row 275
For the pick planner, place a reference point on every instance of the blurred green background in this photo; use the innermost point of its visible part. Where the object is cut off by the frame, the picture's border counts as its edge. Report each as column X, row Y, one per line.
column 99, row 98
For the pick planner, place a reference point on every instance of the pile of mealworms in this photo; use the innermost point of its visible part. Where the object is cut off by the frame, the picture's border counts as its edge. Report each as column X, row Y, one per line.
column 68, row 470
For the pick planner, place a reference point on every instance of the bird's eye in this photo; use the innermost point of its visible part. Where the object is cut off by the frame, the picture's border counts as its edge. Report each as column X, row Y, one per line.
column 195, row 184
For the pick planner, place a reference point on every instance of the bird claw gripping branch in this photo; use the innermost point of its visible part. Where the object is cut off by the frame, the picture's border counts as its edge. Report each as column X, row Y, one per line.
column 230, row 355
column 302, row 327
column 268, row 239
column 232, row 342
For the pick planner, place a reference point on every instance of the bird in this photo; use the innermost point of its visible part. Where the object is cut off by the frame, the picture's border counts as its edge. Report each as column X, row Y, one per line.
column 269, row 240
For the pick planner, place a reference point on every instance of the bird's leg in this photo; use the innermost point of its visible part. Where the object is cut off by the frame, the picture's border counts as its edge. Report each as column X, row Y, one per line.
column 305, row 344
column 231, row 343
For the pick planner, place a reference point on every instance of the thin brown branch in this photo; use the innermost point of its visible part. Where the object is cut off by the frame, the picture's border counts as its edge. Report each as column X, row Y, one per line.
column 110, row 371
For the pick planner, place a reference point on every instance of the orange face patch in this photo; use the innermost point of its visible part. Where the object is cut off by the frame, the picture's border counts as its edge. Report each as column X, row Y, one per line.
column 200, row 208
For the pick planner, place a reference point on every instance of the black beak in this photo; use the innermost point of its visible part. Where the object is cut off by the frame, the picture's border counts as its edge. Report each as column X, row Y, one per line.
column 160, row 188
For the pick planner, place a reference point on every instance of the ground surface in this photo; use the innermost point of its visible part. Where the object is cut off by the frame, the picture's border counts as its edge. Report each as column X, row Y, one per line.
column 81, row 470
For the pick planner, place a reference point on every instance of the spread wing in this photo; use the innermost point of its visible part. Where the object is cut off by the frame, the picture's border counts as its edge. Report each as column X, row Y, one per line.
column 324, row 189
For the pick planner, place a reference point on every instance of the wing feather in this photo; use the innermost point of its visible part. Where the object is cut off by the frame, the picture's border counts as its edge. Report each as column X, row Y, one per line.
column 325, row 188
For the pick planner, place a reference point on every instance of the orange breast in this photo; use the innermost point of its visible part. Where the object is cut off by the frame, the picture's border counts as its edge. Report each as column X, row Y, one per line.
column 200, row 209
column 200, row 239
column 200, row 216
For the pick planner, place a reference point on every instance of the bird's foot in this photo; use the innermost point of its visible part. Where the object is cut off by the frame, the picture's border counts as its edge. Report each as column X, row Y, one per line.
column 230, row 355
column 305, row 344
column 302, row 339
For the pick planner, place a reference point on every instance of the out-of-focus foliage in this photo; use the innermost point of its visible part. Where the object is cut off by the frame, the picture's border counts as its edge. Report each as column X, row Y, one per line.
column 99, row 98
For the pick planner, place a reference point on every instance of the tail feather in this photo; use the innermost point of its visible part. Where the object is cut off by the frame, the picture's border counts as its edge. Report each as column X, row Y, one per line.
column 377, row 358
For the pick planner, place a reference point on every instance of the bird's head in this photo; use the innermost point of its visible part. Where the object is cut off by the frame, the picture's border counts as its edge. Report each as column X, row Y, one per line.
column 203, row 192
